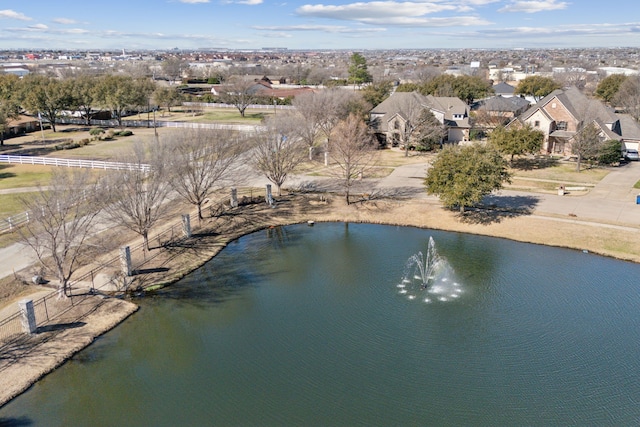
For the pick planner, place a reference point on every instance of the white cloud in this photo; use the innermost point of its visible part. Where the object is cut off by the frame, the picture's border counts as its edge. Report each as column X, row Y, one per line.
column 193, row 1
column 375, row 9
column 534, row 6
column 64, row 21
column 38, row 27
column 250, row 2
column 278, row 35
column 12, row 14
column 391, row 13
column 333, row 29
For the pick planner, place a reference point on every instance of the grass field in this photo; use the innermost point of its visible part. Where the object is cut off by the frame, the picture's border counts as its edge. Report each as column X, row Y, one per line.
column 18, row 176
column 217, row 115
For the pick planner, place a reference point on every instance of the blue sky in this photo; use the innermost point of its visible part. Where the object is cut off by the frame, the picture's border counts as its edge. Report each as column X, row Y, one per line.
column 317, row 24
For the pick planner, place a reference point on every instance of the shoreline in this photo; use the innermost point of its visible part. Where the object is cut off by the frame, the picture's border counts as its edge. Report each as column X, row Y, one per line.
column 23, row 370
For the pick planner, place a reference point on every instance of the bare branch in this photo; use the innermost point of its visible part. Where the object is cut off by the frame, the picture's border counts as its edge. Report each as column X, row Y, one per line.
column 61, row 219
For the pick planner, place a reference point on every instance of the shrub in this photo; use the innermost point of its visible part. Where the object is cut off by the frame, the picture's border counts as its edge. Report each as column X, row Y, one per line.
column 67, row 145
column 84, row 141
column 96, row 132
column 124, row 133
column 110, row 134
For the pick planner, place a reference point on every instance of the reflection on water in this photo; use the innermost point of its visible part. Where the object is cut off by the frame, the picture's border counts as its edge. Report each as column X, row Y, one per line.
column 306, row 326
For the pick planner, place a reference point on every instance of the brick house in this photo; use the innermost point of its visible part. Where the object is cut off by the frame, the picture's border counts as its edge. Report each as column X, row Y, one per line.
column 563, row 113
column 390, row 118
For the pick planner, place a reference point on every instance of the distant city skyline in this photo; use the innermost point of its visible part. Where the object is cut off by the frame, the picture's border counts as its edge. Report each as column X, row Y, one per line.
column 317, row 24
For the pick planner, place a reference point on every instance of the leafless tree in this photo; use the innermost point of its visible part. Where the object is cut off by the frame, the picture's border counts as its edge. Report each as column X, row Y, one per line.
column 61, row 217
column 173, row 68
column 202, row 160
column 410, row 112
column 571, row 77
column 277, row 150
column 239, row 92
column 323, row 110
column 353, row 150
column 136, row 197
column 427, row 73
column 628, row 96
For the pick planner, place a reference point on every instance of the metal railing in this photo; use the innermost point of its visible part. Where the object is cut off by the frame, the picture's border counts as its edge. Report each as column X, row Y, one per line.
column 46, row 309
column 50, row 306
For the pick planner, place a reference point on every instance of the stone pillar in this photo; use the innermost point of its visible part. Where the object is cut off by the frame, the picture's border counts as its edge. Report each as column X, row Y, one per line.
column 186, row 225
column 125, row 260
column 326, row 158
column 234, row 197
column 269, row 196
column 28, row 316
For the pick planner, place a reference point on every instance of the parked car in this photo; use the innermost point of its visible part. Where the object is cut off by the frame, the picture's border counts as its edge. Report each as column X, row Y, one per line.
column 631, row 155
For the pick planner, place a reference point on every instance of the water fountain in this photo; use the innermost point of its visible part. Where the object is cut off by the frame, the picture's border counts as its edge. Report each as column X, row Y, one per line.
column 431, row 273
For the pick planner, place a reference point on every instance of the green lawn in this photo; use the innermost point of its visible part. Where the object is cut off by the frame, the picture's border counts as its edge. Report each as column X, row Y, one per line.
column 18, row 176
column 217, row 115
column 563, row 172
column 10, row 204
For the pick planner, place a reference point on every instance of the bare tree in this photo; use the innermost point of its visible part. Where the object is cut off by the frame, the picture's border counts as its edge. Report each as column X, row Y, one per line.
column 239, row 92
column 173, row 68
column 277, row 150
column 353, row 150
column 136, row 196
column 61, row 217
column 628, row 96
column 411, row 113
column 322, row 111
column 202, row 160
column 586, row 144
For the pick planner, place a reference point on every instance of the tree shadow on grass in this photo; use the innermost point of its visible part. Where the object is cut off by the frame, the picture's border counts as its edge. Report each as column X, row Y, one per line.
column 15, row 422
column 495, row 208
column 532, row 163
column 7, row 175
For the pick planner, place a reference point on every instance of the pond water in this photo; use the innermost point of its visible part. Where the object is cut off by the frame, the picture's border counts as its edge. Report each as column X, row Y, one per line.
column 314, row 325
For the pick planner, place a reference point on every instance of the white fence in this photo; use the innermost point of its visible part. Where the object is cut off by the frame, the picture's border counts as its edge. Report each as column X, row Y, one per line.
column 8, row 224
column 72, row 163
column 158, row 124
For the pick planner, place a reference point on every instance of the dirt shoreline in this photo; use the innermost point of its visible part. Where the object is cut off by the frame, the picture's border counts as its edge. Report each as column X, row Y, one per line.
column 20, row 370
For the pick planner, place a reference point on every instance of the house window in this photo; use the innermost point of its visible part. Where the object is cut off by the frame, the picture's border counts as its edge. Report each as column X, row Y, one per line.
column 536, row 123
column 561, row 125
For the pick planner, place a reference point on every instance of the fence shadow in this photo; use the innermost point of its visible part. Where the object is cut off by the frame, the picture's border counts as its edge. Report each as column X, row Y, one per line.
column 59, row 327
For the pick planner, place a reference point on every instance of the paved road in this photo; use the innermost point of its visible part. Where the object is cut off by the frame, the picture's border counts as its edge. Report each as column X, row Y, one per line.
column 613, row 200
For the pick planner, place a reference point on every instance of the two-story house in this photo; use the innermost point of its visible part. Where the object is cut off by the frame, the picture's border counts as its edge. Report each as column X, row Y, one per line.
column 391, row 117
column 563, row 113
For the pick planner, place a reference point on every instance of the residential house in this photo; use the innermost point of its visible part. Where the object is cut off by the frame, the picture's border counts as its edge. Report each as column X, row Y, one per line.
column 21, row 125
column 563, row 113
column 498, row 110
column 392, row 116
column 504, row 89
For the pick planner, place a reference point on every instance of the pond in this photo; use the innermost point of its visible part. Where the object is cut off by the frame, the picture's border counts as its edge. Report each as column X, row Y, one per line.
column 326, row 326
